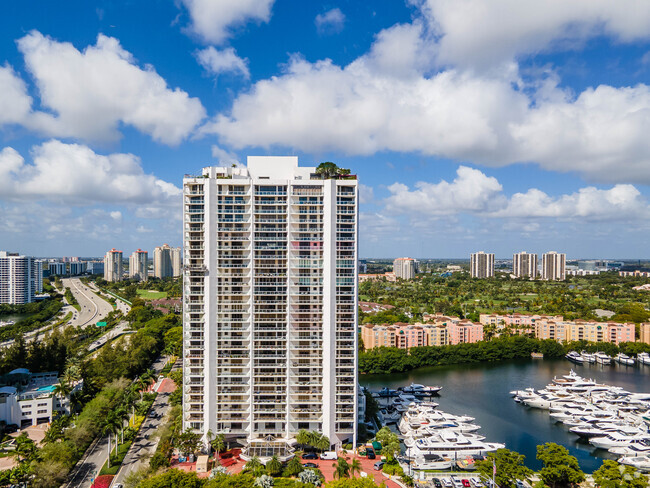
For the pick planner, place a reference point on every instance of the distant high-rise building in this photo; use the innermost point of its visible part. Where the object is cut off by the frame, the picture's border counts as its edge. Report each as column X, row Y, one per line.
column 405, row 268
column 481, row 265
column 177, row 261
column 18, row 278
column 39, row 275
column 95, row 267
column 113, row 265
column 524, row 264
column 57, row 268
column 77, row 268
column 139, row 265
column 270, row 304
column 554, row 266
column 163, row 261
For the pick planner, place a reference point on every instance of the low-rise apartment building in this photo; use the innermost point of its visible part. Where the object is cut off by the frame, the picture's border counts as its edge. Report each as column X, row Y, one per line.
column 644, row 332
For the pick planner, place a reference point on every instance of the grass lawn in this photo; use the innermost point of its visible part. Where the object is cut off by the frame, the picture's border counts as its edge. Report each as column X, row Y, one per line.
column 152, row 295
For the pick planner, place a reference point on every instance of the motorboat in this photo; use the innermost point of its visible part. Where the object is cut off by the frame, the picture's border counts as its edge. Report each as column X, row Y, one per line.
column 618, row 439
column 635, row 449
column 590, row 358
column 588, row 431
column 642, row 463
column 417, row 389
column 433, row 462
column 624, row 359
column 575, row 357
column 643, row 358
column 7, row 322
column 454, row 445
column 602, row 358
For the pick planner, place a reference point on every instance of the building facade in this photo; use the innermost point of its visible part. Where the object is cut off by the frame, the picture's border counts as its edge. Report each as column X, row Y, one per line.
column 57, row 268
column 139, row 265
column 166, row 261
column 270, row 304
column 554, row 266
column 405, row 268
column 177, row 261
column 524, row 265
column 18, row 278
column 77, row 268
column 113, row 266
column 481, row 265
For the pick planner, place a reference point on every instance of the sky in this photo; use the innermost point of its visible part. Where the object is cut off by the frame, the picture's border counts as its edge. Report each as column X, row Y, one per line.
column 501, row 126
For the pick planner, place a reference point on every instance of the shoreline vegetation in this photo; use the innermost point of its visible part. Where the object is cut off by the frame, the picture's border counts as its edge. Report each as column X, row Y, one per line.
column 385, row 360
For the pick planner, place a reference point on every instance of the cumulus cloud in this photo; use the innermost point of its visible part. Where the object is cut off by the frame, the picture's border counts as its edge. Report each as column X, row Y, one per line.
column 483, row 34
column 91, row 92
column 74, row 174
column 213, row 21
column 330, row 22
column 474, row 193
column 217, row 62
column 15, row 103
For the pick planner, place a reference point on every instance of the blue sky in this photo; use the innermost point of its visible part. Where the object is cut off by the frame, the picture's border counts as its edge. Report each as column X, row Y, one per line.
column 500, row 126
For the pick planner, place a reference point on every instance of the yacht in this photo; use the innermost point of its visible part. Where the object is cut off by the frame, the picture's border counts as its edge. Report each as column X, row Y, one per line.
column 590, row 358
column 618, row 439
column 624, row 359
column 7, row 322
column 602, row 358
column 453, row 445
column 433, row 462
column 417, row 389
column 575, row 357
column 643, row 358
column 588, row 430
column 635, row 449
column 642, row 463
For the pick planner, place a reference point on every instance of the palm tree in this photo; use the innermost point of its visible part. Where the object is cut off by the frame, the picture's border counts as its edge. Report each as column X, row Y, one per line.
column 355, row 466
column 112, row 425
column 322, row 443
column 274, row 466
column 122, row 414
column 303, row 437
column 218, row 444
column 341, row 469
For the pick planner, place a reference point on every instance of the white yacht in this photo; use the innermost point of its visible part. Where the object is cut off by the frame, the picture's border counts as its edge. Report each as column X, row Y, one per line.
column 642, row 463
column 624, row 359
column 599, row 430
column 433, row 462
column 575, row 357
column 635, row 449
column 643, row 358
column 618, row 439
column 453, row 445
column 417, row 389
column 588, row 357
column 602, row 358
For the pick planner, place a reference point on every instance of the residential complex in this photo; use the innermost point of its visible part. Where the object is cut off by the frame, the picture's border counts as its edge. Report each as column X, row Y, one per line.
column 405, row 268
column 19, row 278
column 167, row 261
column 644, row 332
column 270, row 304
column 524, row 265
column 113, row 265
column 554, row 266
column 139, row 265
column 555, row 327
column 481, row 265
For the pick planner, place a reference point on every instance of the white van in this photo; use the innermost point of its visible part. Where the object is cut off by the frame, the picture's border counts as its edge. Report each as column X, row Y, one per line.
column 329, row 455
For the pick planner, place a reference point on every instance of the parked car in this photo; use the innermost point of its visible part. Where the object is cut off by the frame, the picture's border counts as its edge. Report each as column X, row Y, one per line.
column 465, row 483
column 331, row 455
column 153, row 414
column 370, row 453
column 379, row 465
column 310, row 465
column 436, row 483
column 310, row 455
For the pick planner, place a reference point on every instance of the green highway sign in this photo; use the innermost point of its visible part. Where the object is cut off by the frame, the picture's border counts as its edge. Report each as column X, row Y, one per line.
column 101, row 324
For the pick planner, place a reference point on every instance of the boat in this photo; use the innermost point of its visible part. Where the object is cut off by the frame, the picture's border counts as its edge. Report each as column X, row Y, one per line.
column 618, row 439
column 575, row 357
column 602, row 358
column 624, row 359
column 453, row 445
column 467, row 464
column 417, row 389
column 387, row 392
column 643, row 358
column 642, row 463
column 7, row 322
column 589, row 358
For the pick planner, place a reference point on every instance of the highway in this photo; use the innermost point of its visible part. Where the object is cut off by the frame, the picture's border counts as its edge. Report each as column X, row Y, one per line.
column 93, row 308
column 97, row 454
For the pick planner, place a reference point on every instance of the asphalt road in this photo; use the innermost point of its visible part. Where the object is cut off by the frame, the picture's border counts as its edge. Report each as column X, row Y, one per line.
column 97, row 454
column 93, row 308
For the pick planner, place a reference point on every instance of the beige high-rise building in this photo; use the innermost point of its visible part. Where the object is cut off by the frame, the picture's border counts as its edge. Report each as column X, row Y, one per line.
column 113, row 266
column 554, row 266
column 163, row 265
column 524, row 264
column 270, row 304
column 139, row 265
column 177, row 261
column 481, row 265
column 405, row 268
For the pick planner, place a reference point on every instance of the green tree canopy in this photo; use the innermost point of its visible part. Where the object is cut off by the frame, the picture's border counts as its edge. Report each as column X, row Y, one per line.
column 560, row 468
column 614, row 475
column 510, row 467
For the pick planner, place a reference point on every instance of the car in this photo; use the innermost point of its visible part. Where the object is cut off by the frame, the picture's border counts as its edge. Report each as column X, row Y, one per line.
column 118, row 485
column 153, row 414
column 520, row 484
column 331, row 455
column 310, row 465
column 370, row 453
column 465, row 483
column 436, row 483
column 379, row 465
column 310, row 455
column 446, row 482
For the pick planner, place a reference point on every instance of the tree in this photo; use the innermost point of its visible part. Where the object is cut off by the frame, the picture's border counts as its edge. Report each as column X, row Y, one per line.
column 509, row 465
column 218, row 443
column 189, row 442
column 174, row 478
column 112, row 424
column 321, row 442
column 294, row 467
column 390, row 445
column 303, row 437
column 25, row 448
column 355, row 467
column 560, row 468
column 327, row 169
column 614, row 475
column 254, row 466
column 274, row 466
column 341, row 469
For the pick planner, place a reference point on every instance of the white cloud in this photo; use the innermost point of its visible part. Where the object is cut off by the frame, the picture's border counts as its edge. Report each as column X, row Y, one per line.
column 223, row 156
column 366, row 193
column 217, row 62
column 484, row 34
column 330, row 22
column 92, row 92
column 213, row 20
column 15, row 103
column 116, row 215
column 474, row 193
column 75, row 175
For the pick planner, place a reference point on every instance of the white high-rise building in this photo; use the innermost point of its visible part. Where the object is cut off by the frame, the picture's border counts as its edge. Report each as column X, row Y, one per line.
column 524, row 264
column 18, row 278
column 38, row 267
column 177, row 261
column 113, row 265
column 270, row 304
column 554, row 266
column 405, row 268
column 139, row 265
column 163, row 261
column 481, row 265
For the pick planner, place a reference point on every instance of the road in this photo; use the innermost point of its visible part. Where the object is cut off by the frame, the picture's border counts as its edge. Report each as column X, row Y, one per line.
column 97, row 453
column 93, row 308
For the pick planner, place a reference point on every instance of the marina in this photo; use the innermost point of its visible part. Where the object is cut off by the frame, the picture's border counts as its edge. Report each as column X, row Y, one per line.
column 482, row 391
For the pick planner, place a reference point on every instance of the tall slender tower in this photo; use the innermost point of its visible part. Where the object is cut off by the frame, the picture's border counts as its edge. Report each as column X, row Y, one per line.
column 113, row 265
column 270, row 304
column 554, row 266
column 481, row 265
column 139, row 265
column 524, row 264
column 18, row 278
